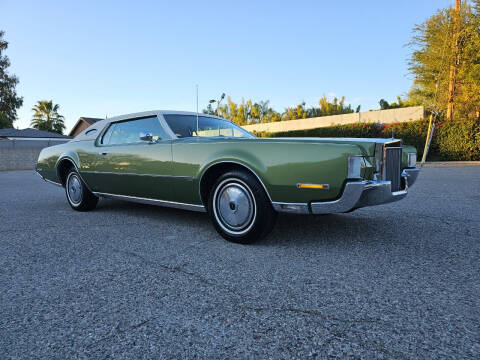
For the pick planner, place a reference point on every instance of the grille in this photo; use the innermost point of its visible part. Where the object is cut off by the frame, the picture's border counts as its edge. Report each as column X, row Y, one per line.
column 393, row 167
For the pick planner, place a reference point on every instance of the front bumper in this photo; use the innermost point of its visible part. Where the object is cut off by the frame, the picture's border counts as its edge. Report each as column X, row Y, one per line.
column 356, row 194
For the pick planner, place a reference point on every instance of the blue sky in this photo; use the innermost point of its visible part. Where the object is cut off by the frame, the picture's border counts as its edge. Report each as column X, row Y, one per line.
column 98, row 58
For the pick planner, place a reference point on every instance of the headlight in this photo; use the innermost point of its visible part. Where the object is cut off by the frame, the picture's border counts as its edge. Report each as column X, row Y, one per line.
column 354, row 167
column 412, row 159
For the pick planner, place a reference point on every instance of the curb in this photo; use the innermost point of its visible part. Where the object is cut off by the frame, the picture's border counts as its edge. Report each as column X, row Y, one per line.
column 450, row 163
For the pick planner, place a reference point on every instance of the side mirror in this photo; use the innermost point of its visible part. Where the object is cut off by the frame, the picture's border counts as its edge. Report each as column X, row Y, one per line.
column 146, row 137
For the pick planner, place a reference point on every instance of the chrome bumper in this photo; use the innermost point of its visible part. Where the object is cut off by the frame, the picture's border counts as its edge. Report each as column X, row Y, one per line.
column 357, row 194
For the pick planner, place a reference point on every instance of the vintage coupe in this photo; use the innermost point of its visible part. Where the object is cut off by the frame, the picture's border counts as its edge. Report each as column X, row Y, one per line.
column 206, row 163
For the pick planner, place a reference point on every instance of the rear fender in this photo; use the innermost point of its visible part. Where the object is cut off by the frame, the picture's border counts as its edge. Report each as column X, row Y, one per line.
column 65, row 160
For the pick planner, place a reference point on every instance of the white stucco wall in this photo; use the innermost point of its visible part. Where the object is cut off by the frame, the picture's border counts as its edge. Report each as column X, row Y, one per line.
column 377, row 116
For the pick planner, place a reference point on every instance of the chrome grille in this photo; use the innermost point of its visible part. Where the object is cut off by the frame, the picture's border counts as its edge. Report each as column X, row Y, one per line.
column 393, row 167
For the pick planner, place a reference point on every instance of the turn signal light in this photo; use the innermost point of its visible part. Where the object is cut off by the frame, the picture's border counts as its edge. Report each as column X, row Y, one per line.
column 313, row 186
column 412, row 159
column 354, row 166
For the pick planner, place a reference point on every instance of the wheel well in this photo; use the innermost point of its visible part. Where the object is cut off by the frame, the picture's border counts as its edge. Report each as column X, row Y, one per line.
column 212, row 174
column 62, row 169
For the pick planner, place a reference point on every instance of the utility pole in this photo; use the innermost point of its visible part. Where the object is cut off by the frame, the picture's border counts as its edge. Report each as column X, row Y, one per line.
column 218, row 103
column 454, row 62
column 431, row 127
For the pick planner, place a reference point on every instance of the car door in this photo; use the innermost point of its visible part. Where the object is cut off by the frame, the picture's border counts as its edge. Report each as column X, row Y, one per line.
column 198, row 141
column 129, row 166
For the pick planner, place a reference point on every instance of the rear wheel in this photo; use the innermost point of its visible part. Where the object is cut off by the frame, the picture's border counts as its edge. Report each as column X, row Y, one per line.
column 78, row 195
column 239, row 208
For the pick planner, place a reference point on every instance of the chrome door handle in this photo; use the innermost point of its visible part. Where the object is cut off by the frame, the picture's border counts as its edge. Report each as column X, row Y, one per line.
column 103, row 153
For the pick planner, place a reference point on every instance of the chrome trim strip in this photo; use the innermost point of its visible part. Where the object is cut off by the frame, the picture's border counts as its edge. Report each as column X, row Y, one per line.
column 149, row 201
column 133, row 174
column 411, row 175
column 232, row 162
column 293, row 208
column 46, row 180
column 53, row 182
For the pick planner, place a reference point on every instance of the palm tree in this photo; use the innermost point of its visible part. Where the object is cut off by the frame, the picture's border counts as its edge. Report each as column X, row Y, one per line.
column 46, row 117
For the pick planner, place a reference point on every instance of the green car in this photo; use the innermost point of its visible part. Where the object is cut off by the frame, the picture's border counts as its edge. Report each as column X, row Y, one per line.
column 206, row 163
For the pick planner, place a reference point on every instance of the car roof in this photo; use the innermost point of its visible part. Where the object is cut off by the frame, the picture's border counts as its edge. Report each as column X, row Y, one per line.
column 158, row 112
column 99, row 125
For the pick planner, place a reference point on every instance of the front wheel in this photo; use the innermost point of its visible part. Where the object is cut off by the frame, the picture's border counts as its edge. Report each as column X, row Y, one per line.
column 78, row 195
column 240, row 209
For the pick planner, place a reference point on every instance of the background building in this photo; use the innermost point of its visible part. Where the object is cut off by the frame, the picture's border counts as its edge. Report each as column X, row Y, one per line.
column 19, row 149
column 82, row 124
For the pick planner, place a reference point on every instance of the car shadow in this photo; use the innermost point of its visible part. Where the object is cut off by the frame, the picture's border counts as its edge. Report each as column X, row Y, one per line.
column 297, row 230
column 321, row 229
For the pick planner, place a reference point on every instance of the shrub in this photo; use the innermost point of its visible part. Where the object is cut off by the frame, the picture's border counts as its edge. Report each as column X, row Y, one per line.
column 452, row 140
column 458, row 140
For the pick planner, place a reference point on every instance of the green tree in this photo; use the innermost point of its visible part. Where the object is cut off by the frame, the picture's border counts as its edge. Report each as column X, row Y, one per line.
column 295, row 112
column 246, row 112
column 430, row 59
column 432, row 55
column 4, row 123
column 235, row 112
column 327, row 108
column 271, row 116
column 9, row 101
column 468, row 95
column 384, row 105
column 209, row 110
column 249, row 112
column 46, row 117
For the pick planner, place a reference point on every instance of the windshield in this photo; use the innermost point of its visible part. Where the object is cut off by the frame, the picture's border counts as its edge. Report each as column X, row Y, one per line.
column 186, row 126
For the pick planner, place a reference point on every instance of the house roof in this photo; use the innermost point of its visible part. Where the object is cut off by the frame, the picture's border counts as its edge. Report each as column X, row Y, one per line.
column 30, row 133
column 88, row 120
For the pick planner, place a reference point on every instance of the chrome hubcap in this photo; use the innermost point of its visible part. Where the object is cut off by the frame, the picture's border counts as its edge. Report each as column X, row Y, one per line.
column 235, row 207
column 74, row 188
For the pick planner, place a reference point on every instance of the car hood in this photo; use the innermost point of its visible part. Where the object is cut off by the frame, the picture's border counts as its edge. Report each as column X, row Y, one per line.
column 366, row 144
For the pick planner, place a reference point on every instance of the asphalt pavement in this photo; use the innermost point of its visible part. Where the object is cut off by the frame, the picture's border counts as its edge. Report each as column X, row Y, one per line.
column 132, row 281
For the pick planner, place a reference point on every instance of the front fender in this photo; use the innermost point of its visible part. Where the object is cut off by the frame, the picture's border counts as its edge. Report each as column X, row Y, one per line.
column 243, row 158
column 280, row 166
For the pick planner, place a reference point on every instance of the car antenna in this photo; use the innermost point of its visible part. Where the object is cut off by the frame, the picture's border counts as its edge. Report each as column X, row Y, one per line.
column 197, row 109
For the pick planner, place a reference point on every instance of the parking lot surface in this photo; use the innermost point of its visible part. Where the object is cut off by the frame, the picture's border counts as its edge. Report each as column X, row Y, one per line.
column 131, row 281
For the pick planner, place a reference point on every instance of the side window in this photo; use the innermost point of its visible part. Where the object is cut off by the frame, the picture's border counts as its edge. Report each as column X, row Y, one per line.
column 186, row 126
column 237, row 133
column 108, row 134
column 182, row 125
column 129, row 132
